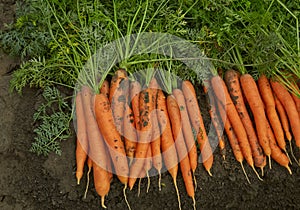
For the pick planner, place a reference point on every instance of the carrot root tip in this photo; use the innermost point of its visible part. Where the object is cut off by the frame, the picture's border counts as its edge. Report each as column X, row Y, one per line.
column 159, row 181
column 289, row 169
column 209, row 173
column 102, row 202
column 177, row 192
column 125, row 197
column 245, row 172
column 194, row 203
column 256, row 173
column 148, row 185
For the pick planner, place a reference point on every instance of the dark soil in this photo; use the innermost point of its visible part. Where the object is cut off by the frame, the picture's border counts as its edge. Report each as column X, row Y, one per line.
column 28, row 181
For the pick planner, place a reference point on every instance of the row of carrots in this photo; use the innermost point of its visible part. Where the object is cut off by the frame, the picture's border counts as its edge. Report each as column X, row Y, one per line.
column 127, row 129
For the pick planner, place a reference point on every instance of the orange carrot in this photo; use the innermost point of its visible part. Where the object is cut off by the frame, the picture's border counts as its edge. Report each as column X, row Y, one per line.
column 233, row 84
column 289, row 105
column 111, row 136
column 167, row 142
column 175, row 119
column 216, row 121
column 135, row 89
column 255, row 102
column 155, row 143
column 146, row 107
column 269, row 102
column 297, row 102
column 197, row 123
column 118, row 97
column 283, row 118
column 96, row 145
column 276, row 153
column 222, row 94
column 82, row 141
column 187, row 129
column 130, row 135
column 105, row 88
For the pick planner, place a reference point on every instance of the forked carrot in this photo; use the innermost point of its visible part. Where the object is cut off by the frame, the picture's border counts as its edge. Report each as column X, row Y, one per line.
column 232, row 81
column 187, row 131
column 198, row 124
column 82, row 141
column 168, row 148
column 175, row 119
column 255, row 102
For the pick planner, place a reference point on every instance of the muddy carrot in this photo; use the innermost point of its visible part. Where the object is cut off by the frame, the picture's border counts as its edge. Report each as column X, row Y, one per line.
column 232, row 81
column 198, row 124
column 135, row 89
column 130, row 135
column 105, row 88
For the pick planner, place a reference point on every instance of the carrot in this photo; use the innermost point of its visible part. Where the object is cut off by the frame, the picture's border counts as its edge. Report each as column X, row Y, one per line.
column 297, row 102
column 276, row 153
column 269, row 102
column 214, row 115
column 90, row 165
column 135, row 89
column 197, row 123
column 167, row 142
column 289, row 105
column 155, row 143
column 187, row 130
column 175, row 119
column 105, row 88
column 222, row 94
column 82, row 141
column 118, row 97
column 96, row 145
column 283, row 118
column 146, row 107
column 111, row 136
column 130, row 135
column 255, row 102
column 233, row 84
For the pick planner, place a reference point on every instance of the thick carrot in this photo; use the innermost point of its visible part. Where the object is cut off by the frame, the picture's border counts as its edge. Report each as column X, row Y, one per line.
column 283, row 118
column 175, row 119
column 289, row 105
column 222, row 94
column 276, row 153
column 216, row 121
column 118, row 96
column 187, row 129
column 155, row 143
column 105, row 88
column 96, row 145
column 167, row 142
column 232, row 81
column 269, row 102
column 135, row 89
column 130, row 135
column 82, row 141
column 255, row 102
column 111, row 136
column 197, row 123
column 146, row 107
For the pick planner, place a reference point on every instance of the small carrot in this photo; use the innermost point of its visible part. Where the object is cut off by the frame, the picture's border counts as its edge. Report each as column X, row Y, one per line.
column 232, row 81
column 175, row 119
column 130, row 135
column 255, row 102
column 168, row 148
column 290, row 107
column 269, row 102
column 222, row 94
column 276, row 153
column 82, row 141
column 187, row 130
column 198, row 124
column 283, row 118
column 146, row 107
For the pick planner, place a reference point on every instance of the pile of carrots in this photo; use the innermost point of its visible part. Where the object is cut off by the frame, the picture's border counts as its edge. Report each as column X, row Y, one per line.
column 126, row 129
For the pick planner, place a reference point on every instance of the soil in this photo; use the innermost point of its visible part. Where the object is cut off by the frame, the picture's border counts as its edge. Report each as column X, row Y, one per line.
column 28, row 181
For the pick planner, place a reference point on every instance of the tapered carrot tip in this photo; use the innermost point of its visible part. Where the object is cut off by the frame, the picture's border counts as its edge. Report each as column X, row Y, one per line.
column 102, row 202
column 78, row 181
column 223, row 156
column 194, row 203
column 208, row 171
column 256, row 173
column 262, row 171
column 289, row 169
